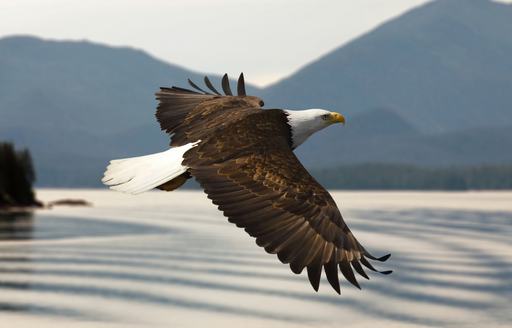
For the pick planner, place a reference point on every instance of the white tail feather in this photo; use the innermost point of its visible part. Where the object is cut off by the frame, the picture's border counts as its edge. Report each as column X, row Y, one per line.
column 139, row 174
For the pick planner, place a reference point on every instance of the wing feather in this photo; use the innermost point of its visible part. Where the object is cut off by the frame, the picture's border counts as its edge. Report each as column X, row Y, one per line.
column 370, row 266
column 210, row 85
column 331, row 271
column 314, row 275
column 225, row 85
column 241, row 85
column 359, row 269
column 347, row 272
column 195, row 86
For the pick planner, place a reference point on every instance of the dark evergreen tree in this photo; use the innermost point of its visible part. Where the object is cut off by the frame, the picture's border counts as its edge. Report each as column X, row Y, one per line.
column 16, row 177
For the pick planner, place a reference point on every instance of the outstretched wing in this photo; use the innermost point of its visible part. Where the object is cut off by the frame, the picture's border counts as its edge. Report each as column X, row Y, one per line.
column 189, row 115
column 250, row 172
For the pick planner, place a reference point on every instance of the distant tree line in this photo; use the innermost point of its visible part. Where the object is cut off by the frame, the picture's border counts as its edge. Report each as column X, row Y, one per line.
column 399, row 176
column 16, row 177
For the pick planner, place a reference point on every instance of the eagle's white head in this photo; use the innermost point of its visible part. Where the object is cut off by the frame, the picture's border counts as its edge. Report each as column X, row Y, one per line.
column 306, row 122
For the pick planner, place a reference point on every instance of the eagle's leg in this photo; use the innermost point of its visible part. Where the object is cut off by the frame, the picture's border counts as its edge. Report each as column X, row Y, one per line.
column 176, row 182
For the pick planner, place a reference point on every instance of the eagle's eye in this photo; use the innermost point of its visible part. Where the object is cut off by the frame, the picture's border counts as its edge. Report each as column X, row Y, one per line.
column 262, row 103
column 325, row 117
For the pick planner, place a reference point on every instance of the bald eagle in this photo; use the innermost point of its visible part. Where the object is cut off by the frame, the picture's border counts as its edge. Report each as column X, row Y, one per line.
column 242, row 156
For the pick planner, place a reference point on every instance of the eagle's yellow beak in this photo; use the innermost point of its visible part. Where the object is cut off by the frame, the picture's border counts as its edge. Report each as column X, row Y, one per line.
column 337, row 118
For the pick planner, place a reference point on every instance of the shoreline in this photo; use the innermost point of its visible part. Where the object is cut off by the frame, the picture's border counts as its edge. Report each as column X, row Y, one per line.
column 39, row 205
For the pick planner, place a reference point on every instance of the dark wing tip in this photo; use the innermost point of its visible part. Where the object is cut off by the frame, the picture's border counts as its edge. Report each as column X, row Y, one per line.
column 193, row 85
column 281, row 256
column 314, row 275
column 225, row 85
column 331, row 271
column 359, row 269
column 241, row 85
column 296, row 267
column 179, row 89
column 347, row 272
column 370, row 266
column 380, row 259
column 384, row 258
column 210, row 86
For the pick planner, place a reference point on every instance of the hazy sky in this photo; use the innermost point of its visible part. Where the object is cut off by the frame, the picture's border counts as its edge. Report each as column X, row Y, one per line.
column 267, row 39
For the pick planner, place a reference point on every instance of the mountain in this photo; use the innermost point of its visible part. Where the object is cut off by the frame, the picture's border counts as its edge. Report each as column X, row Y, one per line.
column 431, row 87
column 76, row 105
column 437, row 79
column 442, row 66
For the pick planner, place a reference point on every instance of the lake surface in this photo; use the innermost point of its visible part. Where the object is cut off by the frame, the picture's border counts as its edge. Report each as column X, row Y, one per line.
column 172, row 260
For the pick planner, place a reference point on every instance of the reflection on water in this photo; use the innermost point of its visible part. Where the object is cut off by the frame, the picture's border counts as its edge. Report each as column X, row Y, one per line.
column 452, row 267
column 27, row 226
column 16, row 226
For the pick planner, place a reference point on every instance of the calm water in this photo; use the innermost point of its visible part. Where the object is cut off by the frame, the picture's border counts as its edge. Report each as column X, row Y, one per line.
column 170, row 259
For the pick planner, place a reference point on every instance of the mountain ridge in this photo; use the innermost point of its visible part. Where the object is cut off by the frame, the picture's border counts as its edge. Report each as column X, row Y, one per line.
column 385, row 66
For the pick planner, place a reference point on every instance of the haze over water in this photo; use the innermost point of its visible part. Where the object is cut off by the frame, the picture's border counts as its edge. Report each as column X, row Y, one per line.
column 172, row 260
